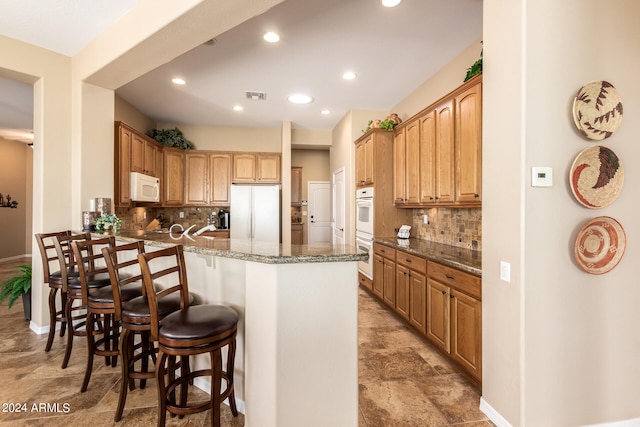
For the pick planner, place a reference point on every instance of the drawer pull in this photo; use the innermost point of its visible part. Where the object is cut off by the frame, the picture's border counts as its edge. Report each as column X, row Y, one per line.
column 408, row 260
column 450, row 277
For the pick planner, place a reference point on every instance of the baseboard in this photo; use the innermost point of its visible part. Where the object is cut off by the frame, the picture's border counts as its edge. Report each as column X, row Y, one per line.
column 493, row 415
column 205, row 385
column 40, row 330
column 11, row 258
column 499, row 421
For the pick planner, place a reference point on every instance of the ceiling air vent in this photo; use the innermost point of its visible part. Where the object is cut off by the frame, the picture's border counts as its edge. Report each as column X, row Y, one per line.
column 255, row 95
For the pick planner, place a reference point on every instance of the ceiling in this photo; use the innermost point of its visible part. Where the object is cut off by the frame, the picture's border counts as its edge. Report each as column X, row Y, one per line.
column 392, row 51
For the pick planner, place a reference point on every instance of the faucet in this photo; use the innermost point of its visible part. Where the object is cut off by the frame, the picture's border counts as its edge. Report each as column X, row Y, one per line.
column 209, row 227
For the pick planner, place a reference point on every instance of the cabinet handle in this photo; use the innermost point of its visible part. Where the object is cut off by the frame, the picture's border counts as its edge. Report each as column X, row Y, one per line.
column 452, row 296
column 408, row 260
column 444, row 292
column 476, row 195
column 450, row 277
column 430, row 198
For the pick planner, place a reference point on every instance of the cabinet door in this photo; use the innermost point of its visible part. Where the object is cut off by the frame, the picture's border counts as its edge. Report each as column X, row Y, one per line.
column 445, row 153
column 219, row 178
column 466, row 332
column 137, row 153
column 196, row 173
column 368, row 160
column 296, row 234
column 268, row 168
column 418, row 301
column 123, row 167
column 402, row 291
column 412, row 169
column 389, row 282
column 469, row 145
column 360, row 164
column 438, row 313
column 428, row 158
column 151, row 153
column 296, row 186
column 399, row 164
column 378, row 276
column 244, row 167
column 173, row 178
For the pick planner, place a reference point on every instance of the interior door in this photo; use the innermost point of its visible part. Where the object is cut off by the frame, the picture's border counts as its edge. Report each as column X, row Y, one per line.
column 319, row 212
column 338, row 206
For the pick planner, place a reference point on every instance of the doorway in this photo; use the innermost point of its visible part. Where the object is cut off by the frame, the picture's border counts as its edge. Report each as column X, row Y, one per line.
column 338, row 206
column 319, row 212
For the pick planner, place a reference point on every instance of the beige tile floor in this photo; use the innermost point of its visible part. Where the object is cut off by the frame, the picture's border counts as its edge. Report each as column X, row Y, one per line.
column 403, row 381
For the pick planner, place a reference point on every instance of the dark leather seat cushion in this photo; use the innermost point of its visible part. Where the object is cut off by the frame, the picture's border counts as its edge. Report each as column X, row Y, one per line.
column 198, row 322
column 138, row 308
column 105, row 294
column 55, row 278
column 97, row 281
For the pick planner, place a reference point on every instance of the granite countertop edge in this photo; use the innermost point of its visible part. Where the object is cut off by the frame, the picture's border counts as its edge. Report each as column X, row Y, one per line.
column 463, row 259
column 275, row 253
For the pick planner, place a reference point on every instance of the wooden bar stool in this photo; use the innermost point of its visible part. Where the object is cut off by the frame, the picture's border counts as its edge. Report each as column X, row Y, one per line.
column 134, row 318
column 99, row 301
column 74, row 311
column 192, row 330
column 54, row 280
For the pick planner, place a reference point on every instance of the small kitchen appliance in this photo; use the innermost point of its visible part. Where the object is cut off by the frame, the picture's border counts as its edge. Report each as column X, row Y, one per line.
column 223, row 219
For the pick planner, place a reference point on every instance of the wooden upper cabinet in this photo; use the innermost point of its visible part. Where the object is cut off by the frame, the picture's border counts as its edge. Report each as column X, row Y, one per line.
column 412, row 169
column 144, row 155
column 196, row 178
column 365, row 161
column 296, row 186
column 244, row 167
column 219, row 179
column 399, row 167
column 469, row 145
column 122, row 162
column 268, row 167
column 428, row 157
column 445, row 152
column 173, row 177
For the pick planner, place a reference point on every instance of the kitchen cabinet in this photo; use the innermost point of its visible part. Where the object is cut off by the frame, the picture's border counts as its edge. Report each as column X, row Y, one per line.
column 256, row 167
column 122, row 156
column 219, row 179
column 384, row 274
column 173, row 177
column 454, row 321
column 196, row 166
column 296, row 186
column 469, row 145
column 296, row 234
column 413, row 291
column 365, row 161
column 407, row 164
column 144, row 154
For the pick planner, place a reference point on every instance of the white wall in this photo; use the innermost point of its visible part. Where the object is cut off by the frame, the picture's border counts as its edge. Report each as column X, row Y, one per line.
column 561, row 347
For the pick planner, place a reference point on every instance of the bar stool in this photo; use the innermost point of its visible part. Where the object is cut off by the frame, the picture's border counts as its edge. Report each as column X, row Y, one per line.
column 199, row 329
column 54, row 280
column 134, row 318
column 100, row 302
column 74, row 311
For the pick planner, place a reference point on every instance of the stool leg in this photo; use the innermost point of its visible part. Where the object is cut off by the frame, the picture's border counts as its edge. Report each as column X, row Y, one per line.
column 231, row 357
column 91, row 348
column 63, row 315
column 71, row 332
column 216, row 380
column 125, row 349
column 52, row 317
column 162, row 391
column 147, row 349
column 184, row 385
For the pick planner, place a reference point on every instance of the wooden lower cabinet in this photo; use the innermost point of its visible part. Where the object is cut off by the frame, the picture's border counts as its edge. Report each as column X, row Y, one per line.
column 296, row 234
column 441, row 302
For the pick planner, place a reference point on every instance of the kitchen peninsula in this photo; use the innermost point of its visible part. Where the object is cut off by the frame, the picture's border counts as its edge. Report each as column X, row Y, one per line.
column 297, row 344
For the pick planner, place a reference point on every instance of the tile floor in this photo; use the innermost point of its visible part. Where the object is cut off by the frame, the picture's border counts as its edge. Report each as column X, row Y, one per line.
column 403, row 381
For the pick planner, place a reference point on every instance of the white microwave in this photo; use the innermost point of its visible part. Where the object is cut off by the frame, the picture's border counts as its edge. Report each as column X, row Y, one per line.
column 144, row 188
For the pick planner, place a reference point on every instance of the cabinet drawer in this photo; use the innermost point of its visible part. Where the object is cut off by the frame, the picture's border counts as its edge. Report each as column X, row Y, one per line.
column 384, row 251
column 412, row 261
column 365, row 281
column 465, row 282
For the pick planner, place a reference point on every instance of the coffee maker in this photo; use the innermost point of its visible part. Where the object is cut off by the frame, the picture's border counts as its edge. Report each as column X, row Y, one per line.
column 223, row 219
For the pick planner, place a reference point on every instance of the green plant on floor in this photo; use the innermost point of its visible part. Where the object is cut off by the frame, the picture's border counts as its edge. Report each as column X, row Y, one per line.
column 171, row 138
column 107, row 222
column 14, row 287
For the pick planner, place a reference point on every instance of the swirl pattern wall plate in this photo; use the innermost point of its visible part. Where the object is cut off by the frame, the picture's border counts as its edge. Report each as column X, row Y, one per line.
column 600, row 245
column 597, row 110
column 596, row 177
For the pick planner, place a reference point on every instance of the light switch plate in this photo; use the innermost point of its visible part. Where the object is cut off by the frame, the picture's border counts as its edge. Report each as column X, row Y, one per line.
column 541, row 176
column 505, row 271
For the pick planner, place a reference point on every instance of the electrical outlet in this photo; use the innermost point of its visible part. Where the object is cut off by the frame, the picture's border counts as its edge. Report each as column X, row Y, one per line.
column 505, row 271
column 181, row 214
column 425, row 219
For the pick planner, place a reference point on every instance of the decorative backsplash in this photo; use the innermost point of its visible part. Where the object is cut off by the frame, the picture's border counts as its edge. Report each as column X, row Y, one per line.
column 139, row 218
column 450, row 226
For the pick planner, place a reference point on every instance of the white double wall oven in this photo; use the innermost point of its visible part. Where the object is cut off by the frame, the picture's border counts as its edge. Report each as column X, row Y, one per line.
column 364, row 228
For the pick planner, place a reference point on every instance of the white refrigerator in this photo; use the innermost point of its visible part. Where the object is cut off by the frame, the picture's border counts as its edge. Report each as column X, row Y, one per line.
column 255, row 212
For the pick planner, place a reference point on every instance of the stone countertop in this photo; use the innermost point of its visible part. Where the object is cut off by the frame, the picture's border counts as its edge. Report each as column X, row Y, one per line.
column 463, row 259
column 264, row 252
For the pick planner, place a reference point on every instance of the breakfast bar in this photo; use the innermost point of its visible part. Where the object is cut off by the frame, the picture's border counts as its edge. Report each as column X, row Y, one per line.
column 297, row 343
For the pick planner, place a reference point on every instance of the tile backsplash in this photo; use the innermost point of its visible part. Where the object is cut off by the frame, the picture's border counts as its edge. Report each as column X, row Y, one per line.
column 450, row 226
column 138, row 218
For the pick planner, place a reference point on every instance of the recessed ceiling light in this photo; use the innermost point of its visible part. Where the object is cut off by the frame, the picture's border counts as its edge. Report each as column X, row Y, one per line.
column 271, row 37
column 325, row 112
column 299, row 98
column 178, row 81
column 349, row 75
column 391, row 3
column 237, row 108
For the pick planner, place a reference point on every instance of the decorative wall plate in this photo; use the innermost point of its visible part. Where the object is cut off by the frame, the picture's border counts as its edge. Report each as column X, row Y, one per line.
column 600, row 245
column 596, row 177
column 597, row 110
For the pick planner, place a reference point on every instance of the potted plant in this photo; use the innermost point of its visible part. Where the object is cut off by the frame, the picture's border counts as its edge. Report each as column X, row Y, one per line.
column 16, row 286
column 108, row 223
column 171, row 138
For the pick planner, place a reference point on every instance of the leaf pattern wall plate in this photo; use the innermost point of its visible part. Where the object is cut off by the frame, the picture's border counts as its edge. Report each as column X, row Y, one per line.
column 597, row 110
column 596, row 177
column 600, row 245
